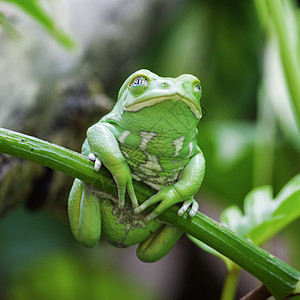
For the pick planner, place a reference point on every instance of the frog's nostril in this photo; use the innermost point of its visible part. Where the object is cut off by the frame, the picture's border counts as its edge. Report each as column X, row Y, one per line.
column 164, row 84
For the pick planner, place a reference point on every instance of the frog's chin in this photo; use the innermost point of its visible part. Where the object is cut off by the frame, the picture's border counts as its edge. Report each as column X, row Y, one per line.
column 150, row 102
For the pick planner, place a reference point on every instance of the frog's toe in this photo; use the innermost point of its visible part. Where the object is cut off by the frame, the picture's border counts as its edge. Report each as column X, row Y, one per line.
column 152, row 200
column 92, row 157
column 121, row 196
column 194, row 209
column 150, row 217
column 97, row 162
column 139, row 223
column 142, row 224
column 137, row 210
column 186, row 204
column 97, row 165
column 132, row 195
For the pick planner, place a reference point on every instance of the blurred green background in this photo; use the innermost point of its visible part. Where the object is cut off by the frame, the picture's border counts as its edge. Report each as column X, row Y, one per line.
column 248, row 136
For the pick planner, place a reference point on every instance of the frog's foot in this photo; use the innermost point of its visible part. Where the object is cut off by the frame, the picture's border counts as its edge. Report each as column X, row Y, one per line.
column 97, row 163
column 192, row 203
column 167, row 197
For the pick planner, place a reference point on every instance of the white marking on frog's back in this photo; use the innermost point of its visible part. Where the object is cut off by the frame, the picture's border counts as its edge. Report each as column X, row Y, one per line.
column 152, row 165
column 146, row 138
column 190, row 148
column 124, row 135
column 155, row 186
column 178, row 144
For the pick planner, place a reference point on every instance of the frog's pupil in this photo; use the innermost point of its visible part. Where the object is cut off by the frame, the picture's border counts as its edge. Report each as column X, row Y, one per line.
column 140, row 81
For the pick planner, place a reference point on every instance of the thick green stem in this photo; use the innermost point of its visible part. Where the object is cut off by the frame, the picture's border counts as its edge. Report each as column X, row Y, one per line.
column 280, row 278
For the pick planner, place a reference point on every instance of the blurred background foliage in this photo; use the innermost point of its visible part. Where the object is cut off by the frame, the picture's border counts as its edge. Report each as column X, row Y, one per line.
column 249, row 137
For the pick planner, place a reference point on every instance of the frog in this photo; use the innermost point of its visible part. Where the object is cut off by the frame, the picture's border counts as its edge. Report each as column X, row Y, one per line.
column 150, row 137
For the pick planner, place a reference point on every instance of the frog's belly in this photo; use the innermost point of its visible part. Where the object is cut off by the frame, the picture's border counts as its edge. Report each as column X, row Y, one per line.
column 150, row 168
column 122, row 227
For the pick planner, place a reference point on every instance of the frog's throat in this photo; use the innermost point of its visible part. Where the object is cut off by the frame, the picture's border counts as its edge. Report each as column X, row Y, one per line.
column 150, row 102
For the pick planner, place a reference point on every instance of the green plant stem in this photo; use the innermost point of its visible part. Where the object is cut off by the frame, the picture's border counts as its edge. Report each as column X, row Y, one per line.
column 280, row 278
column 282, row 14
column 230, row 284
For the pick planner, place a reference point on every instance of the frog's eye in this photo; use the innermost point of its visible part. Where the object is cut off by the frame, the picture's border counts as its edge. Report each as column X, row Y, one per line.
column 138, row 85
column 197, row 87
column 139, row 81
column 197, row 90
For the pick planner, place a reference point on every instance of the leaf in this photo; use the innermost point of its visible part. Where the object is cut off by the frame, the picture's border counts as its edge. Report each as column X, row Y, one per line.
column 264, row 216
column 32, row 8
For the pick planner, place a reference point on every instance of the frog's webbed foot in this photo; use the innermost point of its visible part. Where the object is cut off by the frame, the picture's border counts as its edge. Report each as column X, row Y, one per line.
column 192, row 203
column 97, row 162
column 167, row 197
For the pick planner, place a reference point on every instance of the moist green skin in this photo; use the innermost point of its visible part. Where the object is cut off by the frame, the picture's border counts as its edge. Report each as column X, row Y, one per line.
column 149, row 136
column 168, row 149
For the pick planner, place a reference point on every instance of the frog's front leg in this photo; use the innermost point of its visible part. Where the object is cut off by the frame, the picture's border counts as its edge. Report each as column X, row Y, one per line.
column 84, row 214
column 104, row 146
column 183, row 190
column 158, row 244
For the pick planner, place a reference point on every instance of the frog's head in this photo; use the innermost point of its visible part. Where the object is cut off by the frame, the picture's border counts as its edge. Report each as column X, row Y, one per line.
column 144, row 89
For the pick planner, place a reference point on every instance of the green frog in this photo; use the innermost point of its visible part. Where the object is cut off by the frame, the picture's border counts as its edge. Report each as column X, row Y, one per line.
column 149, row 136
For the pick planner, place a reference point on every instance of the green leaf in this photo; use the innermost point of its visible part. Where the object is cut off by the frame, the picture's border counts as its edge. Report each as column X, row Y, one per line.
column 32, row 8
column 264, row 216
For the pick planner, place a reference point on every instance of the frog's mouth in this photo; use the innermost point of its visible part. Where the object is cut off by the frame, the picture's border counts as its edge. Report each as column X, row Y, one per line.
column 150, row 102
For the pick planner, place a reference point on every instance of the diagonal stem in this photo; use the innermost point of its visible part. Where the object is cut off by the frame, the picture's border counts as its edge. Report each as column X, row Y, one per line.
column 279, row 278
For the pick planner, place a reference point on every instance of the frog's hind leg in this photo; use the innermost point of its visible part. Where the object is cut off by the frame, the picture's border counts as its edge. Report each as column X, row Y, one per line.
column 84, row 214
column 158, row 244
